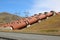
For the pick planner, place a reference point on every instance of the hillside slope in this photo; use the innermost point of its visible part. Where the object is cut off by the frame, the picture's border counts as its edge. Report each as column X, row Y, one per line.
column 48, row 26
column 7, row 17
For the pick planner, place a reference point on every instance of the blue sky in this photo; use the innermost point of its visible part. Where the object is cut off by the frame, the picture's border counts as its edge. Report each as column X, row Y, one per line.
column 31, row 6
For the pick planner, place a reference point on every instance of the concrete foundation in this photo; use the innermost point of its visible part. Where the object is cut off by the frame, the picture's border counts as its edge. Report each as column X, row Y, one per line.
column 28, row 25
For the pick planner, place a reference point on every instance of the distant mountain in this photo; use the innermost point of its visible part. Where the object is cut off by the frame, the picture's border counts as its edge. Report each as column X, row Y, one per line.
column 7, row 17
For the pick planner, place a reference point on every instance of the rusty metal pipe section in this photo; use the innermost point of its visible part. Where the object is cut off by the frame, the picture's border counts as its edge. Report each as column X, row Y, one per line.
column 49, row 14
column 23, row 22
column 57, row 13
column 42, row 16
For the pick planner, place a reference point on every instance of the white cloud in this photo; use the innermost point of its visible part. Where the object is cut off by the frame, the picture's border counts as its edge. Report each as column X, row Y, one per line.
column 45, row 5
